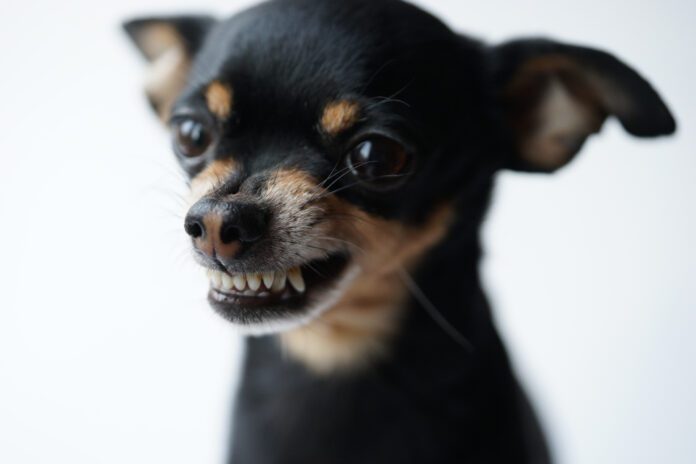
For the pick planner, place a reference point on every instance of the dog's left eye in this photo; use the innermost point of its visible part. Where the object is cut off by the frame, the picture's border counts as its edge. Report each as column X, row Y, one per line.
column 379, row 161
column 192, row 138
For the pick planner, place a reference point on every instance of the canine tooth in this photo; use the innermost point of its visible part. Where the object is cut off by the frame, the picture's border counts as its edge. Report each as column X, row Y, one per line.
column 216, row 279
column 279, row 281
column 296, row 279
column 254, row 281
column 268, row 279
column 226, row 282
column 239, row 282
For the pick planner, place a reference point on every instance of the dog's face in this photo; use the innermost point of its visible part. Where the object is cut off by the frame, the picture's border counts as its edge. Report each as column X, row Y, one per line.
column 331, row 144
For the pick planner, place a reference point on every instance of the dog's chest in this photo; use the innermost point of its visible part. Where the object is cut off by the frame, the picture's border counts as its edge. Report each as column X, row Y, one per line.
column 285, row 415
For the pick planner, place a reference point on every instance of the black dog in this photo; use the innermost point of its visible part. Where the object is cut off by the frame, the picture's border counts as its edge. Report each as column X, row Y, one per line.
column 342, row 156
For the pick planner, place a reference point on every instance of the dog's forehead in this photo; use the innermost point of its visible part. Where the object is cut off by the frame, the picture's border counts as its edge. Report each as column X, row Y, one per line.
column 311, row 49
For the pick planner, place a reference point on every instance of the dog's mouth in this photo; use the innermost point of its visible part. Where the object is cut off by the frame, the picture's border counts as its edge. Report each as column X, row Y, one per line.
column 270, row 301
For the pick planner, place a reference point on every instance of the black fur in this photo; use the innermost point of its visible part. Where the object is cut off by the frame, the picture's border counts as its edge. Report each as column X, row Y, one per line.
column 433, row 399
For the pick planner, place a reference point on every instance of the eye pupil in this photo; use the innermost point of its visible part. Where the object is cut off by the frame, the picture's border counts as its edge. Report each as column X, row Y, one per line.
column 380, row 161
column 192, row 138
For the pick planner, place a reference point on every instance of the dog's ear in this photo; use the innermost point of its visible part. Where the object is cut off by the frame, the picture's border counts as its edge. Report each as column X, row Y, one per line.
column 554, row 96
column 168, row 44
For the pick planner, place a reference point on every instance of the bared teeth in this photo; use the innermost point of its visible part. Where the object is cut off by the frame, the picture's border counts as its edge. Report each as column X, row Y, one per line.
column 216, row 279
column 227, row 282
column 279, row 282
column 268, row 279
column 253, row 281
column 296, row 279
column 239, row 282
column 258, row 285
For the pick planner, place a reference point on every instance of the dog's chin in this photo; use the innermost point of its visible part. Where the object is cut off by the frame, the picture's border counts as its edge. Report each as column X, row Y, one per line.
column 266, row 308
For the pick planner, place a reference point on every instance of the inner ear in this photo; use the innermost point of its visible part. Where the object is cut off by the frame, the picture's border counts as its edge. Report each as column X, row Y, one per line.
column 168, row 44
column 555, row 96
column 552, row 107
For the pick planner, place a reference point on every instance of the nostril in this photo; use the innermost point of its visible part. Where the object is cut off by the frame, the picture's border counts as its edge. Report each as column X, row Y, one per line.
column 229, row 234
column 252, row 223
column 194, row 229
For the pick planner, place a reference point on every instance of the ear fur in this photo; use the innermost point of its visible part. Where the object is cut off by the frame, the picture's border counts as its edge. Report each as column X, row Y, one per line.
column 168, row 44
column 554, row 96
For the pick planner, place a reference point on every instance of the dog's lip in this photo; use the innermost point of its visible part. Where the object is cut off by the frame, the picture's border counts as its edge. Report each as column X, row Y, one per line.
column 248, row 306
column 262, row 299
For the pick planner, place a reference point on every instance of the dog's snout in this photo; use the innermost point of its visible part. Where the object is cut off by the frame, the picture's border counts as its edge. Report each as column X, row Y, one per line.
column 219, row 229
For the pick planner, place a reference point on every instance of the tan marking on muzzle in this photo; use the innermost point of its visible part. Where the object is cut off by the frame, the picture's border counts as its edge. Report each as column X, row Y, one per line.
column 211, row 178
column 339, row 116
column 220, row 99
column 290, row 192
column 358, row 330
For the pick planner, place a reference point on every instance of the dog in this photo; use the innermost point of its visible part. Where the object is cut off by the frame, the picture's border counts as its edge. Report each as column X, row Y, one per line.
column 341, row 157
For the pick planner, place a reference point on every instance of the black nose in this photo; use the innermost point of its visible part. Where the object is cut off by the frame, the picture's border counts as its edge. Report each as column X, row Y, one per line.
column 219, row 228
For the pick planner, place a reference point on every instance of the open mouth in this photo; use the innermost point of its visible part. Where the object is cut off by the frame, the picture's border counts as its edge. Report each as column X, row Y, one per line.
column 259, row 298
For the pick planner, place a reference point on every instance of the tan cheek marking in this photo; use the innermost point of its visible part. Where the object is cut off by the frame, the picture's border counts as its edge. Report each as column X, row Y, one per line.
column 359, row 328
column 339, row 116
column 220, row 99
column 211, row 178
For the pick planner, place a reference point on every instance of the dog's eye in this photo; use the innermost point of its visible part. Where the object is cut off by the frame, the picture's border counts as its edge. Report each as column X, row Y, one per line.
column 191, row 137
column 379, row 161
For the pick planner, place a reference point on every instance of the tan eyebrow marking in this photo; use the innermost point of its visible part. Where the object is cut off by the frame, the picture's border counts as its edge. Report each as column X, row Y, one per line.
column 220, row 99
column 339, row 116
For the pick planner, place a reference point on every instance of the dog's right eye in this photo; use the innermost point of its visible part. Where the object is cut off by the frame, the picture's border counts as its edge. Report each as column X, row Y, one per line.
column 380, row 162
column 192, row 138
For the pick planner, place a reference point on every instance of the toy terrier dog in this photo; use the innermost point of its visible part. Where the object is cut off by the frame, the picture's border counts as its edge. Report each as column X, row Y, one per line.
column 341, row 157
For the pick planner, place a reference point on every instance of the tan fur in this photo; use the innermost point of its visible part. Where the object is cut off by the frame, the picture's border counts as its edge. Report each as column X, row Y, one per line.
column 339, row 116
column 210, row 178
column 220, row 99
column 357, row 330
column 291, row 183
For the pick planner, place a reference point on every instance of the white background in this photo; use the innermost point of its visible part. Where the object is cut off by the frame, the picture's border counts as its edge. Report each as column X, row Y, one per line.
column 108, row 353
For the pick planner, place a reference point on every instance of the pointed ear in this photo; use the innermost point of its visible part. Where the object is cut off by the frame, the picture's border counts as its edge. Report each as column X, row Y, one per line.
column 168, row 44
column 554, row 96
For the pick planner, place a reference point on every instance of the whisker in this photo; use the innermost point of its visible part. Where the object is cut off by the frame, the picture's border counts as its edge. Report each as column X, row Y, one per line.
column 434, row 313
column 331, row 173
column 348, row 170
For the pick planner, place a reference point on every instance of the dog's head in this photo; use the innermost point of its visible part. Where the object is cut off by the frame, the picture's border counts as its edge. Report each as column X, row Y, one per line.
column 330, row 144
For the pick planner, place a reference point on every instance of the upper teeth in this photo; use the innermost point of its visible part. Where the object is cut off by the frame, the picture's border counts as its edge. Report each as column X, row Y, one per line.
column 296, row 280
column 254, row 284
